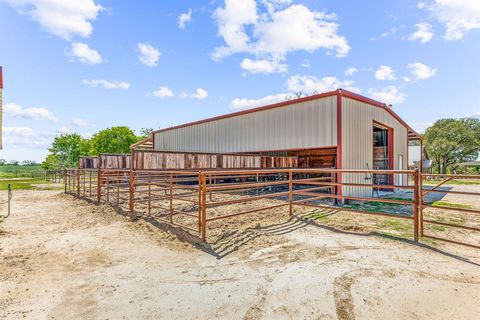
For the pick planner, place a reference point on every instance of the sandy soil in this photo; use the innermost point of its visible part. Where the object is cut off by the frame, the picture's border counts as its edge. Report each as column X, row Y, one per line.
column 65, row 258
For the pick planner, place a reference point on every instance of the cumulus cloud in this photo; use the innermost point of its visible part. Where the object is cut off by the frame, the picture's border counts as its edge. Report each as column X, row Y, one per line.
column 310, row 84
column 423, row 33
column 385, row 73
column 351, row 71
column 65, row 19
column 388, row 95
column 18, row 111
column 296, row 85
column 199, row 94
column 163, row 92
column 263, row 66
column 273, row 33
column 184, row 18
column 421, row 71
column 107, row 84
column 83, row 53
column 458, row 16
column 245, row 103
column 148, row 55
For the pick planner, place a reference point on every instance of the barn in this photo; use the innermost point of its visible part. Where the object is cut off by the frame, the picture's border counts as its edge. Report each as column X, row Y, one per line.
column 338, row 129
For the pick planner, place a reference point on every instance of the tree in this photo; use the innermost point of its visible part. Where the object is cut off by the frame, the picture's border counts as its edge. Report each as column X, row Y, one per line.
column 146, row 132
column 452, row 141
column 113, row 140
column 51, row 162
column 66, row 149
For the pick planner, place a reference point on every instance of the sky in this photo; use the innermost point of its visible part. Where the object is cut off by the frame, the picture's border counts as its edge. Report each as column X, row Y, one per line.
column 85, row 65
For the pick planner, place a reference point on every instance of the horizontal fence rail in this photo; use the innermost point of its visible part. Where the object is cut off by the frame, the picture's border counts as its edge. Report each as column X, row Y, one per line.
column 194, row 199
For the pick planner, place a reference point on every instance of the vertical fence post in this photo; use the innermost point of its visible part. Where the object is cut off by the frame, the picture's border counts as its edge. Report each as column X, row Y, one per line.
column 78, row 182
column 420, row 201
column 99, row 185
column 415, row 204
column 118, row 190
column 65, row 179
column 170, row 216
column 131, row 181
column 204, row 206
column 200, row 224
column 290, row 192
column 149, row 195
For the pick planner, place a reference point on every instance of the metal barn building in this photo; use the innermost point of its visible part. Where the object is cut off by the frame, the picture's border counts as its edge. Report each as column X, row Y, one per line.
column 338, row 129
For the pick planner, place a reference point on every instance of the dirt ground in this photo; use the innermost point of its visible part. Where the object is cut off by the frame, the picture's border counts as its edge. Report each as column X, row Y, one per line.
column 61, row 257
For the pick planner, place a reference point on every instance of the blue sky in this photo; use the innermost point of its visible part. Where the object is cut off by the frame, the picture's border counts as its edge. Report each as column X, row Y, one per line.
column 84, row 65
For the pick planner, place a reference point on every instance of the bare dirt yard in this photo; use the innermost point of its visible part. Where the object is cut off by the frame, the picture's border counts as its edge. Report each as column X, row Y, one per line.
column 62, row 257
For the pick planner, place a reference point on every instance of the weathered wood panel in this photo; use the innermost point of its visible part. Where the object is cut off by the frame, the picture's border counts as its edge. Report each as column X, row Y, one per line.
column 88, row 163
column 145, row 160
column 115, row 161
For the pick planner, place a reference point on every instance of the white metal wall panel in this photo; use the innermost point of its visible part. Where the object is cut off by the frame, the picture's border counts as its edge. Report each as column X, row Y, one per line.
column 309, row 124
column 357, row 141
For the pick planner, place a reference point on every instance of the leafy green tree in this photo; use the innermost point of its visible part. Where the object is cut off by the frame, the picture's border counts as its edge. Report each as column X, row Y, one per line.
column 66, row 149
column 452, row 141
column 51, row 162
column 113, row 140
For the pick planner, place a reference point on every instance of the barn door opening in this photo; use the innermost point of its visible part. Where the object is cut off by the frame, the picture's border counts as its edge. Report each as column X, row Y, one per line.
column 382, row 157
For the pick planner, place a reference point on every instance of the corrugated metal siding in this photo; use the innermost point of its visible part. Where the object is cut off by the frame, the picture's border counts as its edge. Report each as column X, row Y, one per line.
column 357, row 142
column 309, row 124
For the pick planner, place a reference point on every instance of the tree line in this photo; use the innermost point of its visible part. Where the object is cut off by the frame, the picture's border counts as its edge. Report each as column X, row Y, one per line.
column 67, row 148
column 448, row 143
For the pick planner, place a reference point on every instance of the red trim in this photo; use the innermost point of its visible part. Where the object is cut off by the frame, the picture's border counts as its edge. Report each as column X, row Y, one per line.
column 391, row 154
column 1, row 78
column 339, row 139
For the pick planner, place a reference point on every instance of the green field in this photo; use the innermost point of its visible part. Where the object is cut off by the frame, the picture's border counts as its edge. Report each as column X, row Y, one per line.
column 24, row 178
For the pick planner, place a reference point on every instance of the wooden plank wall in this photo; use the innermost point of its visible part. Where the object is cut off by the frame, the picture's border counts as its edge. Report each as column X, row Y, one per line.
column 146, row 160
column 88, row 162
column 115, row 161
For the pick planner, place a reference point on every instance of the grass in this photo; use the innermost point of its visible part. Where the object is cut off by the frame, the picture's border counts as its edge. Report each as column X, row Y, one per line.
column 451, row 204
column 26, row 184
column 320, row 214
column 8, row 171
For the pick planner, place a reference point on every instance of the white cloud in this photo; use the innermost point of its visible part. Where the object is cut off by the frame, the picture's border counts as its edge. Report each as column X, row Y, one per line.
column 244, row 103
column 84, row 53
column 63, row 18
column 184, row 18
column 310, row 84
column 148, row 55
column 199, row 94
column 86, row 135
column 385, row 73
column 107, row 84
column 305, row 63
column 306, row 85
column 385, row 34
column 351, row 71
column 458, row 16
column 272, row 34
column 263, row 66
column 79, row 122
column 163, row 92
column 18, row 111
column 423, row 33
column 421, row 5
column 421, row 71
column 22, row 132
column 388, row 95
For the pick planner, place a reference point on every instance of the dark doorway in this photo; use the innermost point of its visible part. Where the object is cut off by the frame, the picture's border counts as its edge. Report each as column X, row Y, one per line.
column 381, row 153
